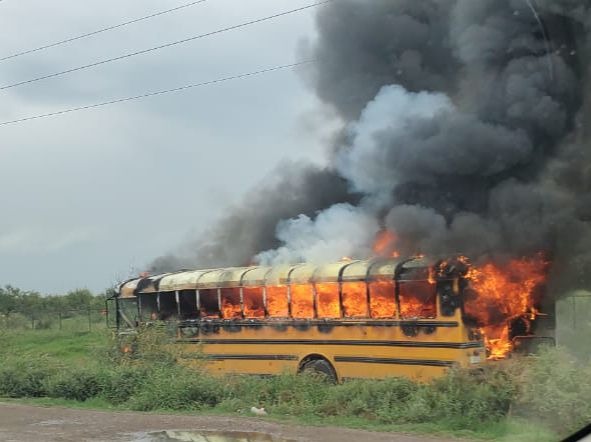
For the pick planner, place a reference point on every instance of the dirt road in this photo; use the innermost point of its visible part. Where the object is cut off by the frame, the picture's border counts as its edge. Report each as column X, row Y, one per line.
column 24, row 423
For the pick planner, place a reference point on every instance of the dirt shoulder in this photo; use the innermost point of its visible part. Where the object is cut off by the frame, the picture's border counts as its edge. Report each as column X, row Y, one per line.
column 26, row 423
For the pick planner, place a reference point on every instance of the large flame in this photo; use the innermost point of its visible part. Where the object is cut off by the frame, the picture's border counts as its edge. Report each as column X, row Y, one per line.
column 501, row 294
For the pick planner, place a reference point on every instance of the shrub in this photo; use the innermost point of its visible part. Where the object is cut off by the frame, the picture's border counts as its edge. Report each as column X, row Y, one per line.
column 77, row 384
column 460, row 399
column 121, row 383
column 467, row 399
column 377, row 400
column 24, row 378
column 178, row 388
column 286, row 394
column 555, row 388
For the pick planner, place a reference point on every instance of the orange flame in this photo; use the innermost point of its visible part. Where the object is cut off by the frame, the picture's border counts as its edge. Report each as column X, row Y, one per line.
column 384, row 244
column 231, row 303
column 254, row 306
column 277, row 305
column 354, row 296
column 302, row 301
column 328, row 300
column 418, row 299
column 501, row 294
column 381, row 297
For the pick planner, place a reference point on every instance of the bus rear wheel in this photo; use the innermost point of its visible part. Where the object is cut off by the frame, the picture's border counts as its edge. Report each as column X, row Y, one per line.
column 321, row 368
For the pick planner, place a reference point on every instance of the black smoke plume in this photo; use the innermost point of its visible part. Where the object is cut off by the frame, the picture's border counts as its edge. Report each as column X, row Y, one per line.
column 294, row 188
column 465, row 129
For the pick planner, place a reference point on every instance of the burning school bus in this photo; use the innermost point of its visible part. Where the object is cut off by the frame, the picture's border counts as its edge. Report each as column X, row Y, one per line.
column 349, row 319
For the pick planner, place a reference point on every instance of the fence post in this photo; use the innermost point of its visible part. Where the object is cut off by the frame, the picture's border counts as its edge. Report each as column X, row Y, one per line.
column 89, row 320
column 32, row 322
column 59, row 316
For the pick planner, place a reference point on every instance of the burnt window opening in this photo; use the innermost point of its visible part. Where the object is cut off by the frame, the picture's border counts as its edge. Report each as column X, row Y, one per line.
column 168, row 308
column 208, row 302
column 328, row 304
column 449, row 298
column 277, row 301
column 417, row 294
column 382, row 300
column 417, row 299
column 148, row 306
column 188, row 304
column 231, row 305
column 302, row 301
column 254, row 302
column 354, row 296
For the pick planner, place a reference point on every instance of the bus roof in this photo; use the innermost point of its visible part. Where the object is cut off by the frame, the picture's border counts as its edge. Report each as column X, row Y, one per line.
column 341, row 271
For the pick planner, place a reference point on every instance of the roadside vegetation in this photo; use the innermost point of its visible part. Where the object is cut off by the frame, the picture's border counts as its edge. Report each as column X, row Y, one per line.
column 524, row 399
column 75, row 311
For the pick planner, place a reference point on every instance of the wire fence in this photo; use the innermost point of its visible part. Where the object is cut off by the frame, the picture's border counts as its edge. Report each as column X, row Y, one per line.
column 69, row 320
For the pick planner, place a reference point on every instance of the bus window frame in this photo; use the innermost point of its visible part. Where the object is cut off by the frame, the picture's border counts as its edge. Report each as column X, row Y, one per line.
column 366, row 315
column 395, row 299
column 188, row 316
column 140, row 298
column 240, row 302
column 175, row 312
column 401, row 278
column 218, row 300
column 339, row 299
column 263, row 289
column 287, row 302
column 312, row 292
column 434, row 296
column 131, row 322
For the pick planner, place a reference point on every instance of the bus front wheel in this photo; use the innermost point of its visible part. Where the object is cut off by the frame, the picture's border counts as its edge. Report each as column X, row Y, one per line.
column 319, row 367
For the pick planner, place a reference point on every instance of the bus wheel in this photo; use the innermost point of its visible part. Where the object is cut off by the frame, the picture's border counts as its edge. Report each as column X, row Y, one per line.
column 320, row 367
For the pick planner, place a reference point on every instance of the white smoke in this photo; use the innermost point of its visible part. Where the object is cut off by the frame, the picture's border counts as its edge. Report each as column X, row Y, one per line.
column 341, row 230
column 404, row 137
column 366, row 162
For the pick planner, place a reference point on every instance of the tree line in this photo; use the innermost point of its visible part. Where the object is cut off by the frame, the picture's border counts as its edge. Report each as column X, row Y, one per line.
column 29, row 303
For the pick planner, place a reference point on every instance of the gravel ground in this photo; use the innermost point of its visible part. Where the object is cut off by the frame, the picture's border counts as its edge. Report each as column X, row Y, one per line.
column 25, row 423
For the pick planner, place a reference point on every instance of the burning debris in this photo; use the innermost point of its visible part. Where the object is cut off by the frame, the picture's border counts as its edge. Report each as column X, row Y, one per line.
column 465, row 130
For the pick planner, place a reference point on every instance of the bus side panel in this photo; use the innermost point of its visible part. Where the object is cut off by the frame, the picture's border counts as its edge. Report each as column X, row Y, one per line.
column 369, row 351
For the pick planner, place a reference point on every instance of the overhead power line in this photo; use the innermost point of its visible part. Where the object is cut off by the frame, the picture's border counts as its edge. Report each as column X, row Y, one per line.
column 161, row 92
column 166, row 45
column 99, row 31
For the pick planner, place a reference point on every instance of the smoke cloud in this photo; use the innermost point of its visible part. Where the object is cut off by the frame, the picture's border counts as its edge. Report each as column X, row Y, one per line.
column 342, row 230
column 466, row 131
column 294, row 189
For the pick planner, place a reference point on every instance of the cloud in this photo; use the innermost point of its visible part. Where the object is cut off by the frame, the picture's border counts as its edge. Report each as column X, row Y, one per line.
column 149, row 171
column 34, row 241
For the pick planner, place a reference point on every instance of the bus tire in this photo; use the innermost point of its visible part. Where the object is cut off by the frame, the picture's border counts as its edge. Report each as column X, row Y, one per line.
column 320, row 367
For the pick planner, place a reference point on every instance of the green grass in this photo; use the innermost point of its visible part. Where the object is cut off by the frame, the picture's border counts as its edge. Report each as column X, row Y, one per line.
column 509, row 402
column 72, row 347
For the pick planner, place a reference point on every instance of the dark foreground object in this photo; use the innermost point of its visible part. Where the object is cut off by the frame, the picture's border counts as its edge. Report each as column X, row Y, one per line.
column 24, row 423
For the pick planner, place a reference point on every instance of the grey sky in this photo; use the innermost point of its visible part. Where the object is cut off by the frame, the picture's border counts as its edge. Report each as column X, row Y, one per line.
column 87, row 197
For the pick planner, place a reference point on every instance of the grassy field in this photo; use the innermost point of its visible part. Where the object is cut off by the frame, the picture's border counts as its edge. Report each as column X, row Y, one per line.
column 509, row 402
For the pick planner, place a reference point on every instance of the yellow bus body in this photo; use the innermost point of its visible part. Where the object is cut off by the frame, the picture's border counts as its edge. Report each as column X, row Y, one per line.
column 418, row 348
